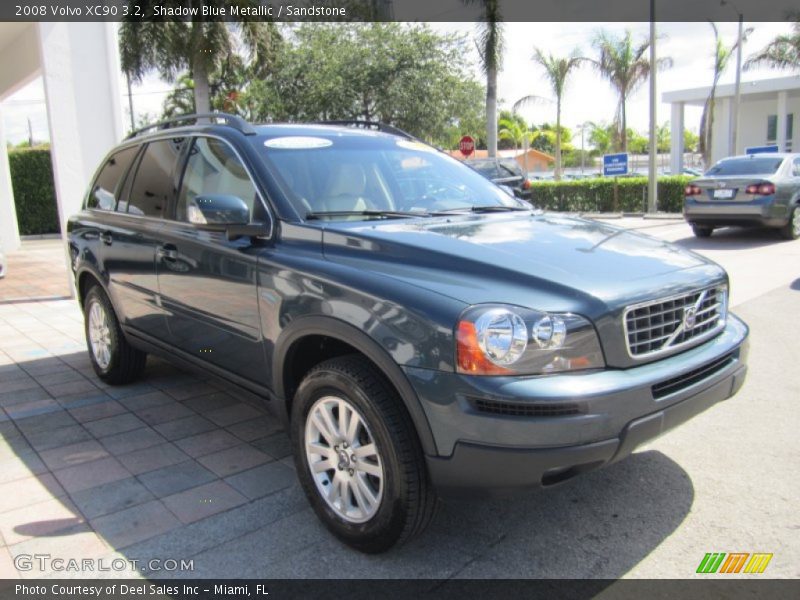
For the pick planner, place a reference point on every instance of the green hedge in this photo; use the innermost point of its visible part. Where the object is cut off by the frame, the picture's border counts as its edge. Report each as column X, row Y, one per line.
column 34, row 196
column 597, row 194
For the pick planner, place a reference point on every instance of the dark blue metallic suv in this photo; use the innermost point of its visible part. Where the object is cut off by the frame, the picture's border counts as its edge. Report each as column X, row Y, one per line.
column 420, row 331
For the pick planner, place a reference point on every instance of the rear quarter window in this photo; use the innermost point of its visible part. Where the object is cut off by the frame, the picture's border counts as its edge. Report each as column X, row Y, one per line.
column 105, row 190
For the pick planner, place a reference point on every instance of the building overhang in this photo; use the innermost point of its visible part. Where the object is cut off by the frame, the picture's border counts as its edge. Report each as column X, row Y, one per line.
column 761, row 89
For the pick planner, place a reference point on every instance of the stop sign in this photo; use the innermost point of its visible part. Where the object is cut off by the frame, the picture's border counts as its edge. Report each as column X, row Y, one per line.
column 466, row 145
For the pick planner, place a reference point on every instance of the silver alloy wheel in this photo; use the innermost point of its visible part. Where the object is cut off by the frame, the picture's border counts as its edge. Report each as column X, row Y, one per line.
column 99, row 334
column 796, row 222
column 343, row 459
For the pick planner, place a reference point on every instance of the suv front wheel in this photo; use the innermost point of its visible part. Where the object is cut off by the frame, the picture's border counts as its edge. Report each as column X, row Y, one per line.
column 357, row 456
column 114, row 360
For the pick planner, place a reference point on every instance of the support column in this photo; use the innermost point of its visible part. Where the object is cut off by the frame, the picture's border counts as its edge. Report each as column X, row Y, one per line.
column 721, row 130
column 676, row 138
column 80, row 69
column 9, row 230
column 781, row 133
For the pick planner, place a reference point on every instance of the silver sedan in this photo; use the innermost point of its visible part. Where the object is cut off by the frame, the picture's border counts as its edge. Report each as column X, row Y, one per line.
column 752, row 190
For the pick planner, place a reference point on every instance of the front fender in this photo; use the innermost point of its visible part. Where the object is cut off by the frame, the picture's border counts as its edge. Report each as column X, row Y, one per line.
column 339, row 330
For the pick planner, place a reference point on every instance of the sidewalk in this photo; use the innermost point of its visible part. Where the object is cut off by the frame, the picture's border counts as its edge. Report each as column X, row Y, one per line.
column 37, row 271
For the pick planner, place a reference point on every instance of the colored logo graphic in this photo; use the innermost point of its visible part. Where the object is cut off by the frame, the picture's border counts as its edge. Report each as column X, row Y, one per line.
column 734, row 562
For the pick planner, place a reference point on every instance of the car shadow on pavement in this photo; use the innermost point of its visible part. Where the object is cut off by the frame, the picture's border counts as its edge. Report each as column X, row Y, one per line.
column 173, row 467
column 733, row 238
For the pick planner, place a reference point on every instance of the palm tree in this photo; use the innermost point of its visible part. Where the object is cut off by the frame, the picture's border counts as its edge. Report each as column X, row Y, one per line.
column 490, row 50
column 514, row 131
column 199, row 47
column 557, row 70
column 626, row 67
column 722, row 55
column 601, row 136
column 781, row 53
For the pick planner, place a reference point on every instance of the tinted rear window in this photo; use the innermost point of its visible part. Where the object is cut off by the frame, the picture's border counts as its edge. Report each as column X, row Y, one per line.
column 761, row 165
column 105, row 191
column 153, row 186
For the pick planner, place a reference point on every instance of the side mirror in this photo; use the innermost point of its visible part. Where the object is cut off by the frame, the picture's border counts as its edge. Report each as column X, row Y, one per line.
column 219, row 209
column 254, row 231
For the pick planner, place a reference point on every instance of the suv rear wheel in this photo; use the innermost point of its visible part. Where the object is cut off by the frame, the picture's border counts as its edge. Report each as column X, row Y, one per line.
column 702, row 231
column 791, row 231
column 357, row 456
column 114, row 360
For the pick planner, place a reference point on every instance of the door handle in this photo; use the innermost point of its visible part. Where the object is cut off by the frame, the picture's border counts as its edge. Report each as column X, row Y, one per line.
column 167, row 252
column 106, row 238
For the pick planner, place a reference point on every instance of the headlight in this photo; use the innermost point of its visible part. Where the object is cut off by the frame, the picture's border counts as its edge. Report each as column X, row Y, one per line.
column 502, row 336
column 510, row 340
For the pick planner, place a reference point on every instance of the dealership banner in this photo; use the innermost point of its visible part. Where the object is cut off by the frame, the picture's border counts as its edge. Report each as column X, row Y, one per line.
column 398, row 10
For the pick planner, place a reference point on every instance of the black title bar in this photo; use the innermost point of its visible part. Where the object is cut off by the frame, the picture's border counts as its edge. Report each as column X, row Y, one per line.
column 397, row 10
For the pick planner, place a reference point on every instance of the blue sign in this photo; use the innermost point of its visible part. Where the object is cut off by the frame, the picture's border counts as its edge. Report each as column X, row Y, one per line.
column 761, row 149
column 615, row 164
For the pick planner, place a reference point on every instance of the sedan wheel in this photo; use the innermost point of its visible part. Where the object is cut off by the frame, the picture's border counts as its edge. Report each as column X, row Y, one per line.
column 791, row 231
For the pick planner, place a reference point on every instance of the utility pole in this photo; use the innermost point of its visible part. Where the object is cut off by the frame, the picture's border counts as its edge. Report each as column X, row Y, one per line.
column 130, row 101
column 738, row 93
column 652, row 183
column 30, row 133
column 733, row 138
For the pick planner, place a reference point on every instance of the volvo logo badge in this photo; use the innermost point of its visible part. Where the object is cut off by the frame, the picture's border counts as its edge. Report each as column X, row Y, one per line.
column 689, row 318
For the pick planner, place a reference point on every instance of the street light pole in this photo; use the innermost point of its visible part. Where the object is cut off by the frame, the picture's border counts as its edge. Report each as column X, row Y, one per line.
column 583, row 152
column 733, row 138
column 652, row 184
column 738, row 93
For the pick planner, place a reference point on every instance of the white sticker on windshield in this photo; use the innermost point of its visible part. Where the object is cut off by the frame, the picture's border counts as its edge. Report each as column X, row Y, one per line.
column 298, row 142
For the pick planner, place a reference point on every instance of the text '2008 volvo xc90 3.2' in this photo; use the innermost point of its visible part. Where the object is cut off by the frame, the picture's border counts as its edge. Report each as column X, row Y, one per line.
column 420, row 331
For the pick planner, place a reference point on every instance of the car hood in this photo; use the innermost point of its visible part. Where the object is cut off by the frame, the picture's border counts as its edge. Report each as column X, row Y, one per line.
column 545, row 261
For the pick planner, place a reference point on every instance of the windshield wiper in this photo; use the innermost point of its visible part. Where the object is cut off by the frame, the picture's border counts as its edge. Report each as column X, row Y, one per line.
column 386, row 214
column 483, row 209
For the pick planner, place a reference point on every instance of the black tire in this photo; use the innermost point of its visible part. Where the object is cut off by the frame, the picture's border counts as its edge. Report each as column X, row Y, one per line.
column 126, row 363
column 791, row 231
column 408, row 501
column 702, row 231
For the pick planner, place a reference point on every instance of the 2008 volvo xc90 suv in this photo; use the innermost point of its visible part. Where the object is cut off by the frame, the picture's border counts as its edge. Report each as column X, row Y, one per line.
column 420, row 331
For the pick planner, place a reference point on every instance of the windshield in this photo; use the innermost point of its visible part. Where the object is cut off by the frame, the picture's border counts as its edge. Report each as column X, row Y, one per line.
column 751, row 165
column 359, row 173
column 496, row 169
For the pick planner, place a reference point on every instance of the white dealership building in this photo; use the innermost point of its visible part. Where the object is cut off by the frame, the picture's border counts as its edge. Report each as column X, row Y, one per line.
column 768, row 111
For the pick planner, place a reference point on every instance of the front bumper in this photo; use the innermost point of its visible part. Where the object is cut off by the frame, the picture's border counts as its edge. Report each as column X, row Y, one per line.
column 758, row 212
column 544, row 430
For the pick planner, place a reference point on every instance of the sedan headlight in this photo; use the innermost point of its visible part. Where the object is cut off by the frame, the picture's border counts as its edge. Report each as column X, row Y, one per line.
column 509, row 340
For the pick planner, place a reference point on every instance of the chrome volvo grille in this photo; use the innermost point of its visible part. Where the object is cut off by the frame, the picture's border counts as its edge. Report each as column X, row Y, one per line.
column 663, row 325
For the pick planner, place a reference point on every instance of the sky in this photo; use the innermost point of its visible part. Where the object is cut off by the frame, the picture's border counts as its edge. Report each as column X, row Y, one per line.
column 588, row 97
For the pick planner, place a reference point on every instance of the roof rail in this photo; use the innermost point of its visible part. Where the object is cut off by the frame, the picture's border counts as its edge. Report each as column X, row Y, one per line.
column 237, row 123
column 376, row 125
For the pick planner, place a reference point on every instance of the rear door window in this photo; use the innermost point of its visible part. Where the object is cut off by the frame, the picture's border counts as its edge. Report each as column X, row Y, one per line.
column 105, row 191
column 154, row 185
